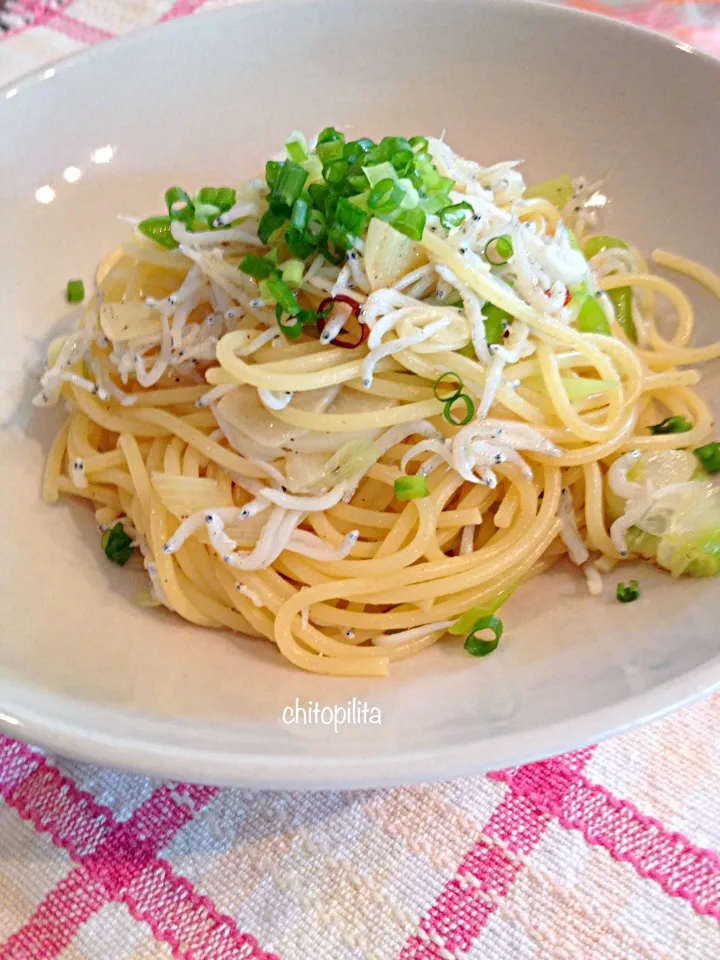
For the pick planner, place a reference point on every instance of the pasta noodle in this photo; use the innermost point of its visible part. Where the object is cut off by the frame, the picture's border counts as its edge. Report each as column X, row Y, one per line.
column 263, row 480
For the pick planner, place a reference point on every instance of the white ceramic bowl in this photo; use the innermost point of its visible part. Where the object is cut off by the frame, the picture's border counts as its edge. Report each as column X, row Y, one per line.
column 87, row 673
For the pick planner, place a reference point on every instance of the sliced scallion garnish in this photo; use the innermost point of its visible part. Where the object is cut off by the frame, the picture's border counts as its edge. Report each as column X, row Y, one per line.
column 479, row 646
column 288, row 187
column 495, row 320
column 297, row 147
column 284, row 296
column 410, row 222
column 455, row 214
column 448, row 397
column 117, row 544
column 385, row 196
column 75, row 291
column 499, row 250
column 469, row 410
column 709, row 457
column 411, row 488
column 671, row 425
column 158, row 229
column 179, row 205
column 292, row 272
column 258, row 267
column 626, row 594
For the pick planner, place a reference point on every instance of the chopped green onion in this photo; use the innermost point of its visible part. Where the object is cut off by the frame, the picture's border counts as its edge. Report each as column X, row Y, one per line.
column 410, row 222
column 226, row 197
column 499, row 250
column 330, row 152
column 433, row 204
column 380, row 171
column 479, row 647
column 455, row 394
column 258, row 267
column 350, row 216
column 443, row 186
column 412, row 197
column 355, row 150
column 75, row 291
column 411, row 488
column 330, row 255
column 559, row 191
column 158, row 230
column 626, row 594
column 272, row 172
column 671, row 425
column 341, row 237
column 292, row 272
column 330, row 135
column 206, row 195
column 300, row 215
column 179, row 204
column 288, row 187
column 591, row 316
column 336, row 172
column 495, row 320
column 709, row 457
column 297, row 238
column 307, row 317
column 220, row 197
column 269, row 223
column 117, row 544
column 284, row 296
column 293, row 330
column 297, row 147
column 418, row 143
column 455, row 214
column 315, row 225
column 301, row 246
column 598, row 244
column 469, row 410
column 358, row 181
column 403, row 161
column 464, row 624
column 319, row 194
column 205, row 214
column 385, row 196
column 622, row 301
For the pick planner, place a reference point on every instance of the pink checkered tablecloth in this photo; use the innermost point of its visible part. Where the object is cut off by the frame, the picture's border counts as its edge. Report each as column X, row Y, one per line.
column 605, row 853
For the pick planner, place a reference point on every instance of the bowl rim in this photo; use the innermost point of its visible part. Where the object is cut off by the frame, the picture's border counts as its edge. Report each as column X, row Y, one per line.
column 551, row 8
column 151, row 756
column 293, row 771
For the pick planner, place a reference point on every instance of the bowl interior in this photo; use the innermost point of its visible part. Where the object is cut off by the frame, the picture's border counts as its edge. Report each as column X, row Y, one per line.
column 207, row 100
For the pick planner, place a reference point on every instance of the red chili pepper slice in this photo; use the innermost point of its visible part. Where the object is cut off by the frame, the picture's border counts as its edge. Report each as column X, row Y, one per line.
column 568, row 295
column 354, row 333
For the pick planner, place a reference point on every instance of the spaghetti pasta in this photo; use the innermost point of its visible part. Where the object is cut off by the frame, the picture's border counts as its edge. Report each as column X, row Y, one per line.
column 255, row 463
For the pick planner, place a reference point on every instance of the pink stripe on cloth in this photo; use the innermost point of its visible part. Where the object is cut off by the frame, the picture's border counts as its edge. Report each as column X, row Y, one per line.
column 56, row 921
column 117, row 859
column 78, row 29
column 182, row 8
column 74, row 820
column 669, row 858
column 190, row 923
column 487, row 872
